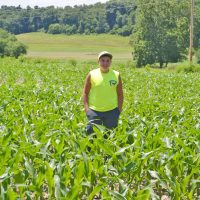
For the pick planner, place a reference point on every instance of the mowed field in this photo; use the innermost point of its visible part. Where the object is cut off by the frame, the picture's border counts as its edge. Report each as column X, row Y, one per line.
column 79, row 47
column 43, row 144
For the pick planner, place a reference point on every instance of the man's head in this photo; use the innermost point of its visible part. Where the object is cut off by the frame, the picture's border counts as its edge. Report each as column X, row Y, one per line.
column 105, row 59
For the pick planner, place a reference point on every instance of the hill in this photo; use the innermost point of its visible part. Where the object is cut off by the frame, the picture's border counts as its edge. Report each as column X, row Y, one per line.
column 79, row 47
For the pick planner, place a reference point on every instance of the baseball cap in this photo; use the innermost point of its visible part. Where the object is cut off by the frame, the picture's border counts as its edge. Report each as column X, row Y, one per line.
column 105, row 53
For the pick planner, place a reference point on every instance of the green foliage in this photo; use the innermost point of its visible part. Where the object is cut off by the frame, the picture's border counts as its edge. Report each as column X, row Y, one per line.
column 58, row 29
column 148, row 67
column 130, row 63
column 197, row 55
column 116, row 17
column 73, row 62
column 187, row 68
column 55, row 29
column 9, row 46
column 161, row 32
column 43, row 145
column 197, row 25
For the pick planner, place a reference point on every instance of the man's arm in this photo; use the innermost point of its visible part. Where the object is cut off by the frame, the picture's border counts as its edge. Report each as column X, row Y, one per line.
column 86, row 91
column 120, row 94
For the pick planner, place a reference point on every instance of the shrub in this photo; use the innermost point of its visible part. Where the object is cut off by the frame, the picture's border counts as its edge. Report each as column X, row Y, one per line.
column 73, row 62
column 55, row 29
column 197, row 55
column 131, row 64
column 9, row 46
column 187, row 68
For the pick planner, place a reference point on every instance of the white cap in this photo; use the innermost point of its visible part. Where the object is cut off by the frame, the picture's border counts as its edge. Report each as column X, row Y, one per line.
column 105, row 53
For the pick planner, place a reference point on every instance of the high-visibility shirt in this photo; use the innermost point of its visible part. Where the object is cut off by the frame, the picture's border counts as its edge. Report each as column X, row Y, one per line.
column 103, row 93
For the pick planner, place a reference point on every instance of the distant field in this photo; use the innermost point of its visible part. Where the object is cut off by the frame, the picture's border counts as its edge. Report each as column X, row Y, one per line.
column 80, row 47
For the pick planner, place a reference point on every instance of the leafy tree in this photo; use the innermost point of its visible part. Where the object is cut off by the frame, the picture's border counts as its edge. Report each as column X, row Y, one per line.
column 9, row 46
column 197, row 25
column 55, row 29
column 197, row 55
column 161, row 31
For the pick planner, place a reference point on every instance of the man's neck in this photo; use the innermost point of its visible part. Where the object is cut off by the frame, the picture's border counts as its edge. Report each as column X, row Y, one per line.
column 104, row 71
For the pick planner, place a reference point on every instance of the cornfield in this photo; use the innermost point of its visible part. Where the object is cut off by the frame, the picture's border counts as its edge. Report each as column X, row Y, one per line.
column 43, row 145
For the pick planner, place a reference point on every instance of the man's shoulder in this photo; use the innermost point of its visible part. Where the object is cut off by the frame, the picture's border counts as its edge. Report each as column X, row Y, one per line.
column 115, row 72
column 94, row 71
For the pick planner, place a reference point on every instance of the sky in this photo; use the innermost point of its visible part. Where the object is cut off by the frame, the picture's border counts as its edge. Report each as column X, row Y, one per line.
column 44, row 3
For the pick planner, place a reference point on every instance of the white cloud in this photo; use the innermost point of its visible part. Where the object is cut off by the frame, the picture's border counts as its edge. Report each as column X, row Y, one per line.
column 41, row 3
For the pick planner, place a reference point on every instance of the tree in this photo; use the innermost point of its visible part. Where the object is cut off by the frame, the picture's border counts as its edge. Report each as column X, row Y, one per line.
column 197, row 25
column 197, row 55
column 9, row 46
column 15, row 49
column 161, row 31
column 55, row 29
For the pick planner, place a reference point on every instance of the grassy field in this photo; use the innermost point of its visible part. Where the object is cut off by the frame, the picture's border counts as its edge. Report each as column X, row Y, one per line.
column 43, row 145
column 79, row 47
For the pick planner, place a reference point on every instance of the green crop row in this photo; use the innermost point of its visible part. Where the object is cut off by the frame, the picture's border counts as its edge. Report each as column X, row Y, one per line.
column 44, row 149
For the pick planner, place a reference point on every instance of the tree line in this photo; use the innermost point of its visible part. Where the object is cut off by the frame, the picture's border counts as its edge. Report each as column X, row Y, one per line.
column 115, row 17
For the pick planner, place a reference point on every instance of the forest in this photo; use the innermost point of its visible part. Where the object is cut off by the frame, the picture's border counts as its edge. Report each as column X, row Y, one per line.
column 115, row 17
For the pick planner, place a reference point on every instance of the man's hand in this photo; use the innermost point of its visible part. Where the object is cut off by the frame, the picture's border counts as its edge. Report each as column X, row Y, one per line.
column 120, row 109
column 86, row 109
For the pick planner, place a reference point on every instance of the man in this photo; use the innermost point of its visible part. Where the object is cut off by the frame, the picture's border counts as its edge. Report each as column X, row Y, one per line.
column 103, row 94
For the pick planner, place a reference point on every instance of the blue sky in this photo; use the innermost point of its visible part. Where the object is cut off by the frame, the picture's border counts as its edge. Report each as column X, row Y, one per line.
column 41, row 3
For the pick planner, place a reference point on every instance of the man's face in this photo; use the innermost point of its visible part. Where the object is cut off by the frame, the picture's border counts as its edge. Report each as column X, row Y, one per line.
column 105, row 62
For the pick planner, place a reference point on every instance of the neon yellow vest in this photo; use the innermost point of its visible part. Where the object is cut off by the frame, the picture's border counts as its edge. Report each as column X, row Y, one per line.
column 103, row 93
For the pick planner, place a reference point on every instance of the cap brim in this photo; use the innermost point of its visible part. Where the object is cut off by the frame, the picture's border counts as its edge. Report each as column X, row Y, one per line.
column 106, row 54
